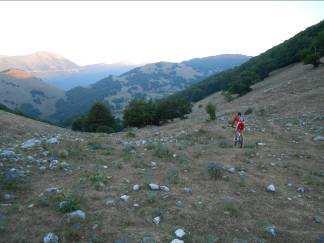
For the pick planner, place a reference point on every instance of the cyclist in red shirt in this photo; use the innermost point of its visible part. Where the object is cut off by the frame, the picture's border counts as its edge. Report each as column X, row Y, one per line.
column 239, row 128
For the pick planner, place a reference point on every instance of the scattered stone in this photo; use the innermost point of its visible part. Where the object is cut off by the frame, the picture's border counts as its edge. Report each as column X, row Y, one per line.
column 301, row 189
column 187, row 190
column 164, row 188
column 53, row 191
column 13, row 175
column 272, row 230
column 53, row 140
column 78, row 214
column 110, row 201
column 135, row 205
column 8, row 196
column 53, row 164
column 136, row 187
column 124, row 198
column 50, row 238
column 30, row 143
column 7, row 153
column 261, row 144
column 179, row 204
column 157, row 220
column 317, row 219
column 231, row 169
column 179, row 233
column 177, row 241
column 271, row 188
column 42, row 168
column 318, row 138
column 154, row 186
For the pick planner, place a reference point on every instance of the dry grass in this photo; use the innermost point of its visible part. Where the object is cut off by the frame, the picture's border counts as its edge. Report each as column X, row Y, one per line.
column 235, row 206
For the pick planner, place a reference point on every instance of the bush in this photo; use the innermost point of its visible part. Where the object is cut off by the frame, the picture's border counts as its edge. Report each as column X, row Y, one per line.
column 215, row 170
column 211, row 110
column 99, row 119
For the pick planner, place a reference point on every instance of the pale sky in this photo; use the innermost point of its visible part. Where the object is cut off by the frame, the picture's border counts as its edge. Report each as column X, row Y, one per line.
column 143, row 32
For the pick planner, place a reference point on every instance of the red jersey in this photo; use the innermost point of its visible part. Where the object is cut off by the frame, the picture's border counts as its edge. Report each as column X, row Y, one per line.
column 236, row 120
column 240, row 126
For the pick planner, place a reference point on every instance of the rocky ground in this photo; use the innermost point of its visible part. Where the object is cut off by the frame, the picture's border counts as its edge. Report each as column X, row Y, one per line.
column 181, row 182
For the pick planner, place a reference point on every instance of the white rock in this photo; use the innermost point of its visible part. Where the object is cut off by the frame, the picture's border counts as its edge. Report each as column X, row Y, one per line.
column 318, row 138
column 261, row 144
column 78, row 214
column 124, row 198
column 231, row 169
column 50, row 238
column 271, row 188
column 30, row 143
column 177, row 241
column 136, row 188
column 180, row 233
column 154, row 186
column 157, row 220
column 53, row 140
column 164, row 188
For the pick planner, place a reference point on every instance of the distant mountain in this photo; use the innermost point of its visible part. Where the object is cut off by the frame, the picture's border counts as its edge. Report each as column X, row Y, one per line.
column 32, row 96
column 84, row 75
column 61, row 72
column 154, row 80
column 37, row 62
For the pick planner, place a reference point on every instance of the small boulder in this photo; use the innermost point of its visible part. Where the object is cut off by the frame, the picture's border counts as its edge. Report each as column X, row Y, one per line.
column 7, row 153
column 154, row 186
column 136, row 187
column 318, row 138
column 271, row 188
column 180, row 233
column 53, row 140
column 124, row 198
column 187, row 190
column 272, row 230
column 30, row 143
column 50, row 238
column 177, row 241
column 157, row 220
column 78, row 214
column 164, row 188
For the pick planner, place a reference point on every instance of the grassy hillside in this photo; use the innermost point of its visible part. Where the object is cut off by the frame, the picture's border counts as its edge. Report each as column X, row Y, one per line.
column 239, row 79
column 154, row 80
column 94, row 172
column 19, row 90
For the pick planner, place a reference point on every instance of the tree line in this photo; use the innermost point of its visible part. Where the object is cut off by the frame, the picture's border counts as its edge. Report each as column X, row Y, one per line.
column 138, row 113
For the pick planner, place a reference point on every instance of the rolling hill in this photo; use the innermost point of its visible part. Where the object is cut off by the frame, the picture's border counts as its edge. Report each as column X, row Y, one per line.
column 154, row 80
column 22, row 91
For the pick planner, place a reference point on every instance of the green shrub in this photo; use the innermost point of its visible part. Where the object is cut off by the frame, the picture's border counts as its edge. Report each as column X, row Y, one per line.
column 215, row 170
column 70, row 203
column 172, row 176
column 162, row 151
column 211, row 111
column 98, row 119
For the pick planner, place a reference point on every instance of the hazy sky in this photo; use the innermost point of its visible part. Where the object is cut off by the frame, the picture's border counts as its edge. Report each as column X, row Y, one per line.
column 141, row 32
